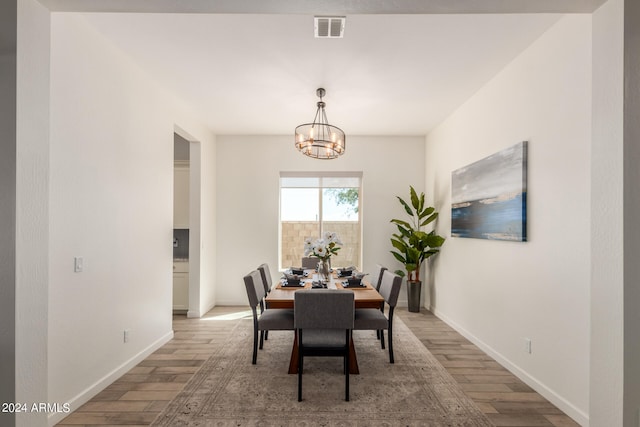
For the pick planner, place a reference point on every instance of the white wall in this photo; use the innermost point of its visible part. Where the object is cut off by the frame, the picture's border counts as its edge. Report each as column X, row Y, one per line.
column 111, row 202
column 498, row 293
column 607, row 256
column 248, row 170
column 32, row 207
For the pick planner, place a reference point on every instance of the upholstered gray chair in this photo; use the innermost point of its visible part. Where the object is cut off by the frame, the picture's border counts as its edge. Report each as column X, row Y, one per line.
column 323, row 321
column 376, row 279
column 268, row 320
column 376, row 276
column 309, row 262
column 265, row 274
column 375, row 319
column 266, row 277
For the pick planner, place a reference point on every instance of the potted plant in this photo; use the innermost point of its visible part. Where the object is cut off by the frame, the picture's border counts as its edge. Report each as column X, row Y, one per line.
column 413, row 244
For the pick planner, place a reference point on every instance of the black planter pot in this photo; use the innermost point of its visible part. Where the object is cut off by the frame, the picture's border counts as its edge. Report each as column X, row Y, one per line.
column 413, row 295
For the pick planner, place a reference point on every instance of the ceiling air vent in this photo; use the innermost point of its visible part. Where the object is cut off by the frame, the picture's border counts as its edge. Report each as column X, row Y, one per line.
column 329, row 26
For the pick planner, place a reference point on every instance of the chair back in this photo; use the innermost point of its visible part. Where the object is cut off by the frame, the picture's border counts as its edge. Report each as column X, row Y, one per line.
column 255, row 288
column 266, row 277
column 390, row 287
column 376, row 277
column 323, row 309
column 309, row 262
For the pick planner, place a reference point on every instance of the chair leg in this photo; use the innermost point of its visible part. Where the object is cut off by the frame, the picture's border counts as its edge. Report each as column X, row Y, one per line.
column 300, row 362
column 390, row 335
column 255, row 344
column 346, row 369
column 261, row 339
column 382, row 338
column 346, row 397
column 299, row 384
column 379, row 331
column 266, row 335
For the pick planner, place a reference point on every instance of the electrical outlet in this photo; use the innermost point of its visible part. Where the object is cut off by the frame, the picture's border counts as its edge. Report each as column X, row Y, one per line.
column 126, row 335
column 527, row 345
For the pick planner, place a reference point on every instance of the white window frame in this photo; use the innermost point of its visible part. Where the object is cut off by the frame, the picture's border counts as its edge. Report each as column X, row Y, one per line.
column 321, row 176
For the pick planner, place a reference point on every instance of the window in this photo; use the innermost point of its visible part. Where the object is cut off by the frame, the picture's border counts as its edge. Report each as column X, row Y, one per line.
column 313, row 203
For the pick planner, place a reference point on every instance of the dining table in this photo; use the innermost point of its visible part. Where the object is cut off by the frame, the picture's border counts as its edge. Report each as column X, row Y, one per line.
column 364, row 296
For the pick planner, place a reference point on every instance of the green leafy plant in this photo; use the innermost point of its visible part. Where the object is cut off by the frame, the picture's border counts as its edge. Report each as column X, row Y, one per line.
column 412, row 244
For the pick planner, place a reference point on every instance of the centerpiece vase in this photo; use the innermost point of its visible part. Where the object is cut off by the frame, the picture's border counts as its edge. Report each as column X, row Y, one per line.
column 324, row 270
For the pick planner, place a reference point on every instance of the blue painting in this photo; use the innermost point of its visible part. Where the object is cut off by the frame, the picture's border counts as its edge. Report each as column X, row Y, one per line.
column 489, row 197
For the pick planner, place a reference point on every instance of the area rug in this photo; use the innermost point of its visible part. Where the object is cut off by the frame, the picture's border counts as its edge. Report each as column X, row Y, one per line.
column 229, row 391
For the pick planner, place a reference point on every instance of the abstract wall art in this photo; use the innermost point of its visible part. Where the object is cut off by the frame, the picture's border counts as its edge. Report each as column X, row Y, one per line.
column 489, row 197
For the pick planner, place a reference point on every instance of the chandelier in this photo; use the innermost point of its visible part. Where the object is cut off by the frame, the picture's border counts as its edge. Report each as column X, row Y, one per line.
column 319, row 139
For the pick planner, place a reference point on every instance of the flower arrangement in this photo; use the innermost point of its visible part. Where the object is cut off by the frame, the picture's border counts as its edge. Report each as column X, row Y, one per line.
column 323, row 247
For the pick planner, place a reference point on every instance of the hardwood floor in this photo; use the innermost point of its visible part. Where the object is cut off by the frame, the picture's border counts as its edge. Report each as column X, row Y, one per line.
column 138, row 396
column 505, row 399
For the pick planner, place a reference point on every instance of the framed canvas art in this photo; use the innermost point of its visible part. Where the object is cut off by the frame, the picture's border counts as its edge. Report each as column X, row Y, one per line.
column 489, row 197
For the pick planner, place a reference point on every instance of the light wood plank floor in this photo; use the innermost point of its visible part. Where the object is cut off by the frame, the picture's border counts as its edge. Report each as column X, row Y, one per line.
column 138, row 397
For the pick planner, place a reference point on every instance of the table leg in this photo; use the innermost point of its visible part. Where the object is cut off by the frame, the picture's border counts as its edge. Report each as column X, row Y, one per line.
column 353, row 360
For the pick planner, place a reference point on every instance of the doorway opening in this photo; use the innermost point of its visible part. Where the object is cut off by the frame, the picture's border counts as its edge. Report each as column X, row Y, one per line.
column 181, row 209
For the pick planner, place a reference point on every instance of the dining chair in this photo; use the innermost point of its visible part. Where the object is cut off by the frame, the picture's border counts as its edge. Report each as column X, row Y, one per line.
column 376, row 279
column 272, row 319
column 309, row 262
column 265, row 274
column 376, row 276
column 324, row 321
column 375, row 319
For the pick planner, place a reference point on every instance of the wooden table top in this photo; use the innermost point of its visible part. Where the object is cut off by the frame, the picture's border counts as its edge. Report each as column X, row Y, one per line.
column 282, row 297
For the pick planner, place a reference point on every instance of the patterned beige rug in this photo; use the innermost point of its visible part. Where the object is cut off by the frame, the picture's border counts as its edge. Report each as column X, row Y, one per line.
column 229, row 391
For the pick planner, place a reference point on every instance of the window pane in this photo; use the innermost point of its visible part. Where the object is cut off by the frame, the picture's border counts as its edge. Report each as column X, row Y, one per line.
column 340, row 182
column 299, row 182
column 340, row 204
column 299, row 204
column 340, row 214
column 299, row 218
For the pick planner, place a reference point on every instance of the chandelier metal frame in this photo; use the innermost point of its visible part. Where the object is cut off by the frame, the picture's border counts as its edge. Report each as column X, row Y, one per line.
column 319, row 139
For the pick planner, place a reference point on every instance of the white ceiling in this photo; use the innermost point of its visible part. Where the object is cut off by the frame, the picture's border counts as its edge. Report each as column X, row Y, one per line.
column 257, row 73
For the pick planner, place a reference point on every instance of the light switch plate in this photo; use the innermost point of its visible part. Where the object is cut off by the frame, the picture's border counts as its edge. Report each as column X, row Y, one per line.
column 78, row 264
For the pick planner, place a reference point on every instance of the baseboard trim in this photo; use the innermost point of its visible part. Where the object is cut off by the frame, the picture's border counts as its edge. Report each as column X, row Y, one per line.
column 108, row 379
column 578, row 415
column 231, row 303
